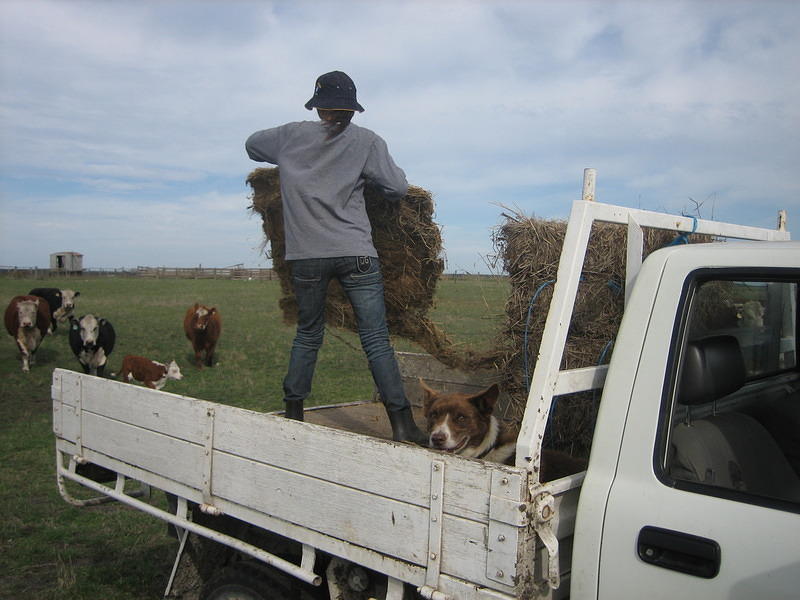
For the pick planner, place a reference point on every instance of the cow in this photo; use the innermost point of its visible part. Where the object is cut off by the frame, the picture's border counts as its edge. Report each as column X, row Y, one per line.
column 751, row 315
column 151, row 373
column 27, row 320
column 92, row 340
column 202, row 326
column 62, row 303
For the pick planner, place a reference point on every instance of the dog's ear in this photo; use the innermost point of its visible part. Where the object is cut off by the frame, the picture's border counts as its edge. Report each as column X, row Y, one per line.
column 486, row 400
column 430, row 395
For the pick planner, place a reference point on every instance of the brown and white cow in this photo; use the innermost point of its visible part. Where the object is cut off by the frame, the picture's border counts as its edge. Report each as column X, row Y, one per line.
column 151, row 373
column 27, row 320
column 202, row 326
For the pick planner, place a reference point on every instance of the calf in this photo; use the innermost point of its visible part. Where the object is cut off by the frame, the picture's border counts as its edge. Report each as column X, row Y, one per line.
column 202, row 326
column 27, row 320
column 62, row 303
column 92, row 340
column 151, row 373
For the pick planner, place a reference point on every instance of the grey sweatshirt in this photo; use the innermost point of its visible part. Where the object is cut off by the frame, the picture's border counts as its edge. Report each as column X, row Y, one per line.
column 322, row 185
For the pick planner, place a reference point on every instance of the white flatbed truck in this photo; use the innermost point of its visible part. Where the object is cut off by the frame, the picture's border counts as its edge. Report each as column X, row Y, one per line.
column 692, row 488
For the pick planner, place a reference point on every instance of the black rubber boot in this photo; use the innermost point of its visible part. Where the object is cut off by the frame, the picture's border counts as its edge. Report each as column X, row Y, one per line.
column 294, row 410
column 404, row 429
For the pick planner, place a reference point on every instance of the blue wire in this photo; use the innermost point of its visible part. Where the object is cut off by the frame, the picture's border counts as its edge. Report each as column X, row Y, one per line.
column 614, row 287
column 527, row 326
column 603, row 353
column 683, row 238
column 600, row 361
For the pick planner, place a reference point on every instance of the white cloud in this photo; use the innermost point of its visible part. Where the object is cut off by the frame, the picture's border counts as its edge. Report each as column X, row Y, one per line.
column 483, row 103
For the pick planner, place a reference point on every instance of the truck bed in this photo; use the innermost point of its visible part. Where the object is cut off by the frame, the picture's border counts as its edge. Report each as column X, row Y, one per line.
column 366, row 418
column 459, row 526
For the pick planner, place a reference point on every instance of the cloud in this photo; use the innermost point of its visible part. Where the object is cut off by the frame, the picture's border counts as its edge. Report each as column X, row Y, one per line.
column 116, row 231
column 483, row 103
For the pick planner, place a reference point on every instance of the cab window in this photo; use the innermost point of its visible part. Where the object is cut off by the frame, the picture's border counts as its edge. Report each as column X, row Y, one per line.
column 733, row 424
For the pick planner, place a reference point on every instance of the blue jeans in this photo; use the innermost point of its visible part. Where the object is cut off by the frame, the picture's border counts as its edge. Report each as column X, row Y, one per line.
column 361, row 279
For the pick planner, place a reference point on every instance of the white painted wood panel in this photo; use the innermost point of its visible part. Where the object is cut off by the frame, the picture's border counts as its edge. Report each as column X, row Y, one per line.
column 327, row 488
column 388, row 526
column 272, row 439
column 465, row 552
column 361, row 462
column 393, row 528
column 167, row 456
column 179, row 416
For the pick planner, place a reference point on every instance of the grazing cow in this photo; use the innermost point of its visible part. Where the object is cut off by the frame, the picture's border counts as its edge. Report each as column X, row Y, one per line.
column 151, row 373
column 27, row 320
column 62, row 303
column 92, row 340
column 202, row 326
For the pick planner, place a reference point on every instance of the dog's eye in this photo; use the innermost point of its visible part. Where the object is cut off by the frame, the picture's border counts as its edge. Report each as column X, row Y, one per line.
column 461, row 418
column 433, row 414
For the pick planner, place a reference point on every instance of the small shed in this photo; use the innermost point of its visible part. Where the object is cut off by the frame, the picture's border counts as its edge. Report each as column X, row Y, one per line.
column 66, row 262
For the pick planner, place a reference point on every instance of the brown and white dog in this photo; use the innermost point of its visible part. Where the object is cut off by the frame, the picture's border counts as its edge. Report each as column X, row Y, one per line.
column 464, row 424
column 151, row 373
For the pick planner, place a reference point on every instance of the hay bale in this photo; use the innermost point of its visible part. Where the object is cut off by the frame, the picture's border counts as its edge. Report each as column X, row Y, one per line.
column 530, row 250
column 409, row 245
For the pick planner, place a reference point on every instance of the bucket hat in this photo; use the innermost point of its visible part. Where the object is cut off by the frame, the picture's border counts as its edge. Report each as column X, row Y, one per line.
column 334, row 91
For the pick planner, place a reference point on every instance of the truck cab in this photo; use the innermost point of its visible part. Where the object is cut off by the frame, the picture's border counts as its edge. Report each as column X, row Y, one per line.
column 693, row 485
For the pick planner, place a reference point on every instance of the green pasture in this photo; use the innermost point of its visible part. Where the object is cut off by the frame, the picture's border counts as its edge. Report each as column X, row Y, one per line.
column 51, row 550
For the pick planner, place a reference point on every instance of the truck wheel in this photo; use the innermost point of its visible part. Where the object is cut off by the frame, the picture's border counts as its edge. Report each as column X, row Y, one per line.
column 244, row 582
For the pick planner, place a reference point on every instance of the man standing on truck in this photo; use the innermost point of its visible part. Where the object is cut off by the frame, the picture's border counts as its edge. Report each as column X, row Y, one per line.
column 323, row 168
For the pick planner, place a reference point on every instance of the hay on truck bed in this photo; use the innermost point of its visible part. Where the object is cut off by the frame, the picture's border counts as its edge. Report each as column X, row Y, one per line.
column 530, row 249
column 409, row 245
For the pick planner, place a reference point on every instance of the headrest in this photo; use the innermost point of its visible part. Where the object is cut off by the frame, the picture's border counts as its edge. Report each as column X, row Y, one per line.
column 713, row 367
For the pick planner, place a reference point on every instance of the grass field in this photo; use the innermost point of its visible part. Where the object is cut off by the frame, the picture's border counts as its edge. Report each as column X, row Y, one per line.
column 51, row 550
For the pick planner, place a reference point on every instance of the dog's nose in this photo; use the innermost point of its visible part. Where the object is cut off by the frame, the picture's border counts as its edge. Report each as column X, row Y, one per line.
column 438, row 438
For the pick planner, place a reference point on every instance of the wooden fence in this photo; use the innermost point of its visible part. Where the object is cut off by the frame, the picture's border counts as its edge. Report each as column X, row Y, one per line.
column 153, row 272
column 182, row 273
column 206, row 273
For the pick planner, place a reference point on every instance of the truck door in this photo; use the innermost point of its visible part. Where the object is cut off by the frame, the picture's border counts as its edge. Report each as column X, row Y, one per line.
column 705, row 500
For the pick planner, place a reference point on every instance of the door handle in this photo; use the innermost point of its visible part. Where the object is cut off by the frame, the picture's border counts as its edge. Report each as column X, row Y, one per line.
column 679, row 551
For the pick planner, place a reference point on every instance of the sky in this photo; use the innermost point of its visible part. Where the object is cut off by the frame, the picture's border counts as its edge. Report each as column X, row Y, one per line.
column 122, row 122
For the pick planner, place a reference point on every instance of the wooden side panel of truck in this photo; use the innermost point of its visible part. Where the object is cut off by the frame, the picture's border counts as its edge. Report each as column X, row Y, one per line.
column 424, row 517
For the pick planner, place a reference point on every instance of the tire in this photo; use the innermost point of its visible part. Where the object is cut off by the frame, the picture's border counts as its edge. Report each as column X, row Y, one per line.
column 245, row 582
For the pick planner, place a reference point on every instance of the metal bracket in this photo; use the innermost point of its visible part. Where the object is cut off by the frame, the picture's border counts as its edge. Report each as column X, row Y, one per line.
column 309, row 558
column 394, row 589
column 79, row 417
column 543, row 513
column 208, row 456
column 434, row 565
column 508, row 517
column 429, row 593
column 183, row 534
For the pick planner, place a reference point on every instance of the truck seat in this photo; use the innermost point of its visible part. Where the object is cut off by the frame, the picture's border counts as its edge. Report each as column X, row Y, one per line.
column 781, row 417
column 730, row 450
